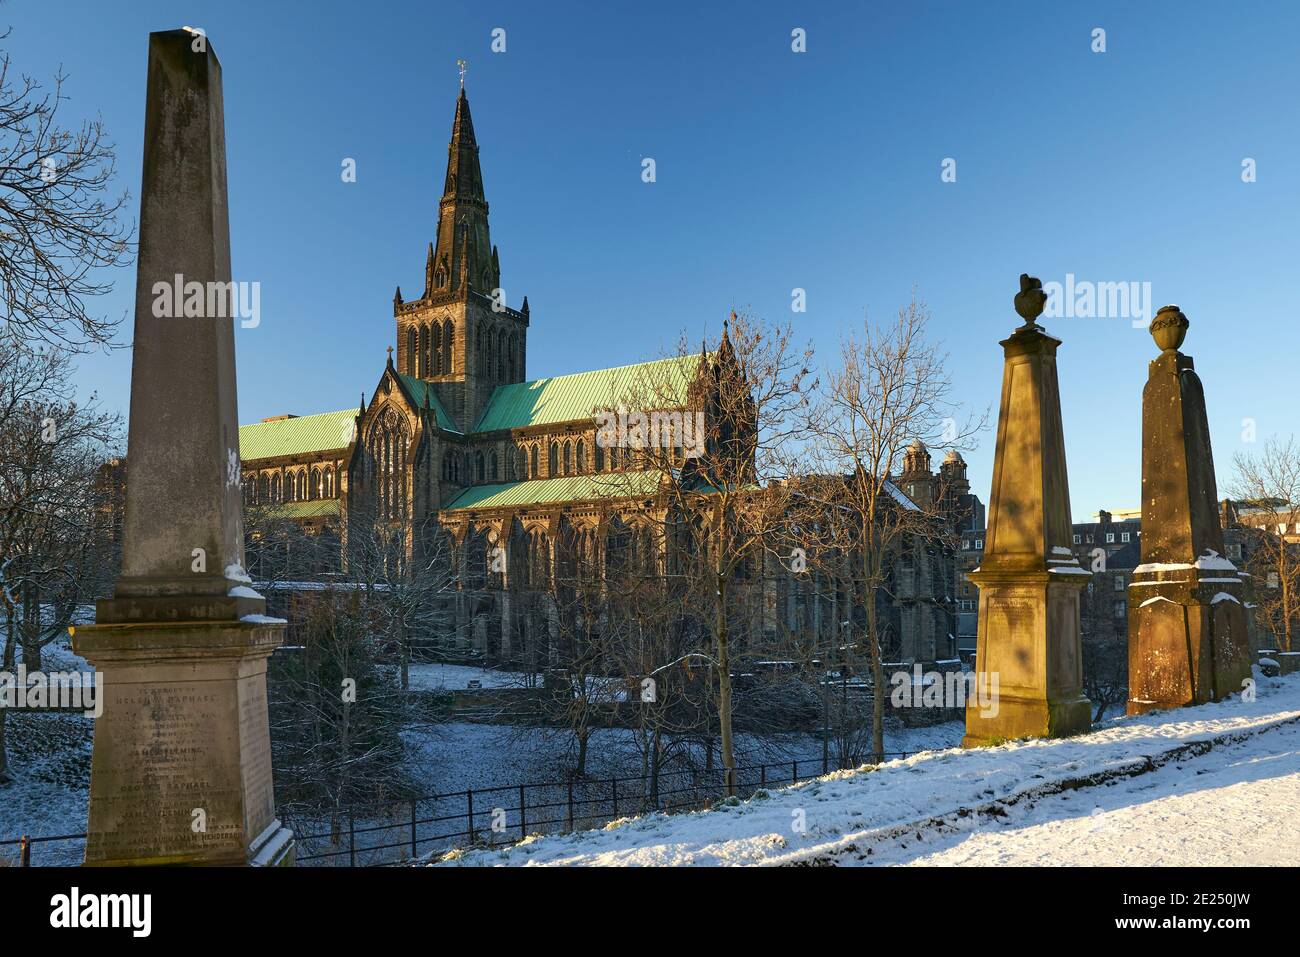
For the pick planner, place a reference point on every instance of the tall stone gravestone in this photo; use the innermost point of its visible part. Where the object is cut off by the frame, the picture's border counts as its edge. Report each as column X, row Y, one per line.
column 181, row 771
column 1028, row 649
column 1187, row 628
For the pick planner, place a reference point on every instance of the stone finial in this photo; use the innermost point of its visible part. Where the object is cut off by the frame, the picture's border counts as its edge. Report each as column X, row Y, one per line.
column 1031, row 300
column 1169, row 328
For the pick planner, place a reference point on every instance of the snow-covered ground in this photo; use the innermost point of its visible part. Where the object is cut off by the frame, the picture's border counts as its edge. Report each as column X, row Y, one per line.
column 435, row 676
column 1215, row 784
column 50, row 762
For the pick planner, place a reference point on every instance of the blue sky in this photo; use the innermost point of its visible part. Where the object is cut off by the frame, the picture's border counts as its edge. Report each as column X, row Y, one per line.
column 775, row 170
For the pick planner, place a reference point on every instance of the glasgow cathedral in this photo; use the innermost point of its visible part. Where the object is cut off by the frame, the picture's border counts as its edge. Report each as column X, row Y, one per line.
column 456, row 444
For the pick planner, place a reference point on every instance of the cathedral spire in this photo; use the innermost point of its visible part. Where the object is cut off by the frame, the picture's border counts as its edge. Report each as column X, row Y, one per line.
column 462, row 256
column 464, row 179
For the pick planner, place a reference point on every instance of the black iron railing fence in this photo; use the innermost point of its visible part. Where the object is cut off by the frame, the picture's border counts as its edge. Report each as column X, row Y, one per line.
column 398, row 832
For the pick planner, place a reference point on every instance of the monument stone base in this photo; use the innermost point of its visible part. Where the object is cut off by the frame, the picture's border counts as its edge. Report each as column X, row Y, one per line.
column 181, row 772
column 1029, row 638
column 1187, row 638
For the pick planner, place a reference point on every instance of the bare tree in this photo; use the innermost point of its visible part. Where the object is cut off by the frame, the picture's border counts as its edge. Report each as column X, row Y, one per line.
column 408, row 583
column 51, row 551
column 889, row 389
column 718, row 505
column 59, row 225
column 1270, row 482
column 1105, row 671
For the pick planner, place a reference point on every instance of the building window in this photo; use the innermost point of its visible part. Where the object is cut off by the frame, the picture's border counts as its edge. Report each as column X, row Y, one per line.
column 1123, row 536
column 553, row 460
column 979, row 544
column 1110, row 538
column 388, row 453
column 581, row 456
column 1076, row 539
column 1119, row 582
column 568, row 459
column 600, row 457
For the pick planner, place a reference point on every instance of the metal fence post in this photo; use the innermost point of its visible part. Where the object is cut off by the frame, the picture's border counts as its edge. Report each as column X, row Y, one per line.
column 570, row 804
column 24, row 852
column 352, row 840
column 762, row 774
column 523, row 815
column 414, row 841
column 614, row 784
column 469, row 806
column 794, row 771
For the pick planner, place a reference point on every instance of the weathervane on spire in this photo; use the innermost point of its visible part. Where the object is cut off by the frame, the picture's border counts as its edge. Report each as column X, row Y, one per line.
column 462, row 64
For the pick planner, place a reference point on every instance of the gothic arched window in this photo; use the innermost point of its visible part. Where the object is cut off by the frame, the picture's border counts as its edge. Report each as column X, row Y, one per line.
column 553, row 461
column 410, row 351
column 387, row 447
column 496, row 475
column 501, row 356
column 600, row 457
column 478, row 465
column 513, row 371
column 568, row 459
column 448, row 338
column 532, row 472
column 316, row 488
column 581, row 457
column 275, row 487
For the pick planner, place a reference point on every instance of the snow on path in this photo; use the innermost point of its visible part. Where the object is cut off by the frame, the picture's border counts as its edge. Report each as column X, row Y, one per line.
column 1234, row 807
column 845, row 812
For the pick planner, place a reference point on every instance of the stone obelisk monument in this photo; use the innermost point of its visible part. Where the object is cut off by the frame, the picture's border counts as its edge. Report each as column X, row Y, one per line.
column 181, row 772
column 1187, row 626
column 1029, row 581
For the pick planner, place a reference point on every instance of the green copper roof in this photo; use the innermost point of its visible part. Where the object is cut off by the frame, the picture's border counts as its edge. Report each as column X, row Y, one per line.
column 565, row 398
column 300, row 435
column 418, row 389
column 544, row 491
column 316, row 508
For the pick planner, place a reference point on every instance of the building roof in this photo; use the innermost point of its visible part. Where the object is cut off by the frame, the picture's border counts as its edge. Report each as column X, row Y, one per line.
column 567, row 398
column 545, row 491
column 315, row 508
column 420, row 392
column 297, row 435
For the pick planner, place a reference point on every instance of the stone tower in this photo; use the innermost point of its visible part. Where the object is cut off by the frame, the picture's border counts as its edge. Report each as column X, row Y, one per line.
column 916, row 479
column 460, row 335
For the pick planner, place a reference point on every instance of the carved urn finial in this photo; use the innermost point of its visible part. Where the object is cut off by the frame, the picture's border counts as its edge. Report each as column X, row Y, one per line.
column 1031, row 299
column 1169, row 328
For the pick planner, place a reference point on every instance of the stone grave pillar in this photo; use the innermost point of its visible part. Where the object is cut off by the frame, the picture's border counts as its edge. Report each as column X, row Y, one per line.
column 1029, row 580
column 181, row 770
column 1187, row 628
